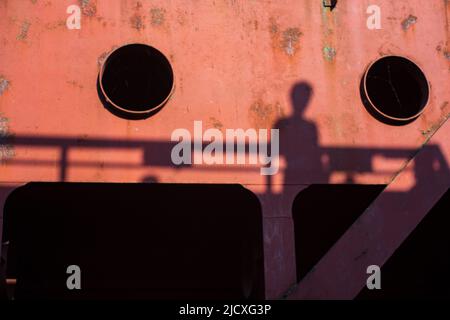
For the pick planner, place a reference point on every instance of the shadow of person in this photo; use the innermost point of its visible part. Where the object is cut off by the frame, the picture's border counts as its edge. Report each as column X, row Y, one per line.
column 299, row 141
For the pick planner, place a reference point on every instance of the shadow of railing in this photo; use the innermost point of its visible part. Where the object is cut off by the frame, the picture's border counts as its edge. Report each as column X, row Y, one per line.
column 346, row 160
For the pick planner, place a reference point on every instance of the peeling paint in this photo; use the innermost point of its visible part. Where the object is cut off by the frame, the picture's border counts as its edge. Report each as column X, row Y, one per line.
column 101, row 59
column 273, row 27
column 263, row 115
column 24, row 28
column 444, row 50
column 6, row 149
column 137, row 22
column 157, row 16
column 428, row 133
column 3, row 84
column 55, row 25
column 88, row 7
column 287, row 41
column 329, row 53
column 411, row 20
column 216, row 123
column 290, row 40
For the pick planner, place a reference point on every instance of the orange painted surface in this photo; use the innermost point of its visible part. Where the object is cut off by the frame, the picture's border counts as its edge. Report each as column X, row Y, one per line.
column 235, row 64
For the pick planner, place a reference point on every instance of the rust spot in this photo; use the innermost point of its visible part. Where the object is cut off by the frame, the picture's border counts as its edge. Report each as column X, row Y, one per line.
column 181, row 17
column 445, row 115
column 54, row 25
column 216, row 123
column 329, row 53
column 287, row 40
column 273, row 27
column 263, row 115
column 75, row 84
column 290, row 40
column 24, row 28
column 137, row 22
column 6, row 149
column 445, row 51
column 447, row 54
column 88, row 7
column 430, row 131
column 157, row 16
column 3, row 84
column 102, row 59
column 411, row 20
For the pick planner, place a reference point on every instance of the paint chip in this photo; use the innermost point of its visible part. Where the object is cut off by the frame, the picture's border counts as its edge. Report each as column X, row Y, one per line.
column 329, row 53
column 3, row 84
column 157, row 16
column 290, row 40
column 6, row 149
column 447, row 55
column 137, row 22
column 24, row 28
column 88, row 7
column 411, row 20
column 216, row 123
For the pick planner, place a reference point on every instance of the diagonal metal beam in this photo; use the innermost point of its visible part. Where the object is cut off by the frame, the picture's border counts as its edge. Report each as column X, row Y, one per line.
column 380, row 230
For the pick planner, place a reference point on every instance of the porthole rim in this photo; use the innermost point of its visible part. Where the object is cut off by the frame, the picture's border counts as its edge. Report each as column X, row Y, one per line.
column 134, row 112
column 366, row 94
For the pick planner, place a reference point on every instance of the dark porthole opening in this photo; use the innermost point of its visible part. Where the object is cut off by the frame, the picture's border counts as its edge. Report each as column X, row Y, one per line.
column 135, row 81
column 394, row 90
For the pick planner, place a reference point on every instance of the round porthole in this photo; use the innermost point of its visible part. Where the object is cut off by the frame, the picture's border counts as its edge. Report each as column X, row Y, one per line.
column 136, row 80
column 395, row 90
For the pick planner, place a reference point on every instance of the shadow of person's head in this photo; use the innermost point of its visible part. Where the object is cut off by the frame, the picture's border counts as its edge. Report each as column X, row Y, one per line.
column 300, row 95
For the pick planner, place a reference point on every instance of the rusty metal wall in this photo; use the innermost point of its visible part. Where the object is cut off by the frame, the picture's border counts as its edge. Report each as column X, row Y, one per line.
column 236, row 64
